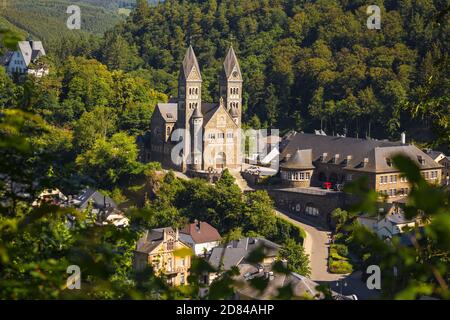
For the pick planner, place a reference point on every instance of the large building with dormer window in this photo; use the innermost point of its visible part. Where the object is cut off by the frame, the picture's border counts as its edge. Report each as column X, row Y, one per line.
column 188, row 134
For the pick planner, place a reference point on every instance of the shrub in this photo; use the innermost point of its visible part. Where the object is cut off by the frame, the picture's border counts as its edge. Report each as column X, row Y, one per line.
column 340, row 266
column 336, row 256
column 339, row 237
column 341, row 249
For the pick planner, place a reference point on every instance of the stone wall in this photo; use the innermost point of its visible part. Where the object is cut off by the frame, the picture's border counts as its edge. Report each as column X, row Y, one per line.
column 320, row 202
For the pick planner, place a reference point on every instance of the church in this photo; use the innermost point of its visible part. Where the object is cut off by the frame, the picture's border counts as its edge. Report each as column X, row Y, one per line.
column 188, row 134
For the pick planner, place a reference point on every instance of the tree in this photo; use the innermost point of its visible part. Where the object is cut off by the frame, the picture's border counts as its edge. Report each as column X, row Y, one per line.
column 258, row 214
column 297, row 260
column 100, row 123
column 120, row 55
column 7, row 90
column 271, row 105
column 109, row 160
column 340, row 217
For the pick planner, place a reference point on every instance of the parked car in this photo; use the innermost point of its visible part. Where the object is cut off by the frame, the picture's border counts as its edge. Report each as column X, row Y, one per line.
column 338, row 187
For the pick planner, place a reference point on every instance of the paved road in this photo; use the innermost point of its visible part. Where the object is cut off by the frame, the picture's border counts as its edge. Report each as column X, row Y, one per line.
column 316, row 246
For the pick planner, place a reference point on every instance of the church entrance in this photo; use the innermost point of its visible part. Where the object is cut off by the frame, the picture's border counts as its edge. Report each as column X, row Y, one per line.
column 221, row 160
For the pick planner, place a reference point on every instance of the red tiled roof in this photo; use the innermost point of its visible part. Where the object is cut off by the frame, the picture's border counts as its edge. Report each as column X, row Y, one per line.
column 201, row 232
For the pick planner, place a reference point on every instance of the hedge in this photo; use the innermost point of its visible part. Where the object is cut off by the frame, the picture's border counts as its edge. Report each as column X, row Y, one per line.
column 340, row 266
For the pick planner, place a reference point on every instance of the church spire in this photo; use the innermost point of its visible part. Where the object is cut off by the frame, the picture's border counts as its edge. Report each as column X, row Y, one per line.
column 231, row 65
column 190, row 63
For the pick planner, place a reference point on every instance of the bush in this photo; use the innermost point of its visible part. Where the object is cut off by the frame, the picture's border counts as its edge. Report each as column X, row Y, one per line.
column 336, row 256
column 286, row 231
column 341, row 249
column 340, row 266
column 339, row 237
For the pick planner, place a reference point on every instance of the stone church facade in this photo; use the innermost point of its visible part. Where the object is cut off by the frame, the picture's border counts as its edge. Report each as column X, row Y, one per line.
column 188, row 134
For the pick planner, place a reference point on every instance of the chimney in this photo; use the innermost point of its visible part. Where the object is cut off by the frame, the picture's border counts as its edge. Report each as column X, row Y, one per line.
column 336, row 158
column 403, row 137
column 197, row 225
column 365, row 162
column 164, row 235
column 349, row 158
column 177, row 234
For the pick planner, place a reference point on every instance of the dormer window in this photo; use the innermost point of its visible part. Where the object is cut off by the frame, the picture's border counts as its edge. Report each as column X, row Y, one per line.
column 421, row 160
column 389, row 162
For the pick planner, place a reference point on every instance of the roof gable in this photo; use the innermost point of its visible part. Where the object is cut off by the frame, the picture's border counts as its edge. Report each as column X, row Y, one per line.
column 201, row 232
column 213, row 114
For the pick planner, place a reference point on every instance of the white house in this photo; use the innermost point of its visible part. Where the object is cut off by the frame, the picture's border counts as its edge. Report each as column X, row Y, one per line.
column 23, row 59
column 389, row 225
column 200, row 236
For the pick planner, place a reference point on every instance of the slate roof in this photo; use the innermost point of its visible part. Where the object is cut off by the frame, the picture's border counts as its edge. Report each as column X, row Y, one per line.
column 99, row 200
column 31, row 50
column 230, row 63
column 152, row 239
column 201, row 232
column 231, row 257
column 398, row 218
column 302, row 159
column 190, row 62
column 168, row 111
column 377, row 152
column 197, row 113
column 301, row 286
column 237, row 250
column 6, row 58
column 434, row 154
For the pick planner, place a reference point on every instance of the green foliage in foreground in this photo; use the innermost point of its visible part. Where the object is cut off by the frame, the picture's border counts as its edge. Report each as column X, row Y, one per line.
column 423, row 268
column 298, row 261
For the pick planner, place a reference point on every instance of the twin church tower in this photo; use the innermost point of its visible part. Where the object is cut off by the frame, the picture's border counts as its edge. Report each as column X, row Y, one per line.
column 188, row 134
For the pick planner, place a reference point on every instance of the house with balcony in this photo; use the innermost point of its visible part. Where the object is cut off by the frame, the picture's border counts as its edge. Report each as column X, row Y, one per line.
column 159, row 249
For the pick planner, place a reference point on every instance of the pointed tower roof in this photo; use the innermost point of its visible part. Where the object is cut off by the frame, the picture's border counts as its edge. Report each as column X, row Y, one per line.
column 190, row 62
column 197, row 113
column 231, row 63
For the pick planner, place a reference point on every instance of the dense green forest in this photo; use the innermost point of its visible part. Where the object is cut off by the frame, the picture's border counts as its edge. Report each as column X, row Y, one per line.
column 46, row 20
column 307, row 64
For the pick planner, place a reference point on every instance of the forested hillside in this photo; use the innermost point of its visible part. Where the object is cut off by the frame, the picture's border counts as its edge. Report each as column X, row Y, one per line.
column 308, row 64
column 46, row 19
